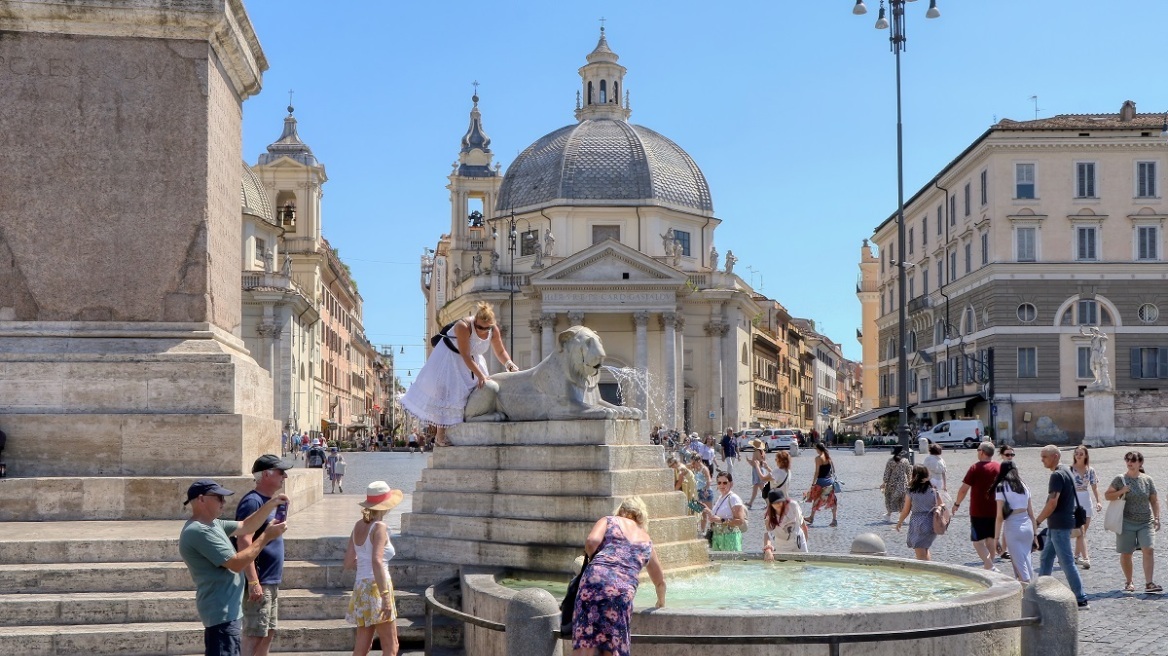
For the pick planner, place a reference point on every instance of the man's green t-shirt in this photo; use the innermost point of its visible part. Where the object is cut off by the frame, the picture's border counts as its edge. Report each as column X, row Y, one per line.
column 218, row 590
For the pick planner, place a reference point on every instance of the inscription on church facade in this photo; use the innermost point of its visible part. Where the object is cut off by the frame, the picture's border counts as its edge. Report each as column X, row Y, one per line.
column 608, row 297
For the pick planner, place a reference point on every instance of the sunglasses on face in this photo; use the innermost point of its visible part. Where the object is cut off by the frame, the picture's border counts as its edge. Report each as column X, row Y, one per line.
column 1008, row 454
column 482, row 328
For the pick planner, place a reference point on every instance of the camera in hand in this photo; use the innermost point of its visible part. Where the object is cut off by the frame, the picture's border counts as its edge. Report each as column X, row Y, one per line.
column 282, row 512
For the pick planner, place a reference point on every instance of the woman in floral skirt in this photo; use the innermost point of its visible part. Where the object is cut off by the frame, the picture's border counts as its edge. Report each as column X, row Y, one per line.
column 371, row 608
column 619, row 547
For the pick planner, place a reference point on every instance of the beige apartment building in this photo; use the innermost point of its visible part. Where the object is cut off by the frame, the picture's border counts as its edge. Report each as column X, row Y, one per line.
column 1035, row 232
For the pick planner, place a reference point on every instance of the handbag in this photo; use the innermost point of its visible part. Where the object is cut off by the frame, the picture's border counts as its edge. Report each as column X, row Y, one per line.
column 1113, row 518
column 1040, row 540
column 568, row 605
column 941, row 516
column 836, row 486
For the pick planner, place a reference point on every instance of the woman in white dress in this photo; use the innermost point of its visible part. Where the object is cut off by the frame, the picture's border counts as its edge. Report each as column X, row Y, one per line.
column 454, row 369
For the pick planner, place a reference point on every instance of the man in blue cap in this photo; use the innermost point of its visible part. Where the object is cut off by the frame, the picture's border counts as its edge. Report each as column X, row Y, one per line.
column 215, row 565
column 261, row 605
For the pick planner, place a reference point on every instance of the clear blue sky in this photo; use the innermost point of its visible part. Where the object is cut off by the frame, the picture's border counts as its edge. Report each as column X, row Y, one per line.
column 788, row 108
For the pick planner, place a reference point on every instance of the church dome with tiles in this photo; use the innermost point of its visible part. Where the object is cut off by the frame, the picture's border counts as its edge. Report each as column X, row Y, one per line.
column 603, row 159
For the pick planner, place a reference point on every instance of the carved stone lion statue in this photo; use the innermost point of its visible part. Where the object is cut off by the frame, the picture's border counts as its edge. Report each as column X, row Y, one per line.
column 562, row 386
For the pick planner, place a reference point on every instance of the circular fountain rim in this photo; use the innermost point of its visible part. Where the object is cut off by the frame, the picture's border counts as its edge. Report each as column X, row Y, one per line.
column 997, row 586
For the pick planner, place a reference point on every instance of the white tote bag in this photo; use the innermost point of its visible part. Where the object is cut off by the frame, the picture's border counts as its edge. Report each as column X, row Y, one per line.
column 1113, row 519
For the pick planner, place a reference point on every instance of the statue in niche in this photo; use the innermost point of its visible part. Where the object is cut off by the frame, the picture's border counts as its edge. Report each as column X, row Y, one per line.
column 269, row 260
column 538, row 252
column 713, row 257
column 1098, row 357
column 549, row 243
column 476, row 264
column 494, row 261
column 730, row 260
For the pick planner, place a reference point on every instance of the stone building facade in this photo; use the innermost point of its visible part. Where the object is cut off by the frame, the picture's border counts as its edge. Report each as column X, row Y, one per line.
column 1035, row 232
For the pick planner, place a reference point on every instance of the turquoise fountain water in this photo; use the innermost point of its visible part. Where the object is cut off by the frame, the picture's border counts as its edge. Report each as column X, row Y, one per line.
column 755, row 585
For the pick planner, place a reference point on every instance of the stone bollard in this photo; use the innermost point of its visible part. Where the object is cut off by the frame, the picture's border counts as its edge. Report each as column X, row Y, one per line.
column 1058, row 634
column 794, row 450
column 859, row 447
column 923, row 445
column 532, row 615
column 869, row 544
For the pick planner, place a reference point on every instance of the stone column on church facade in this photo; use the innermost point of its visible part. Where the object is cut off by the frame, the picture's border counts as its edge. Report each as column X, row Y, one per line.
column 548, row 321
column 641, row 357
column 730, row 387
column 679, row 367
column 535, row 327
column 575, row 318
column 669, row 323
column 715, row 329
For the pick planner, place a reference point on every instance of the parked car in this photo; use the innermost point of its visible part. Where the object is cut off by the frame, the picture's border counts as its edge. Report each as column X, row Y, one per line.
column 957, row 432
column 774, row 439
column 804, row 441
column 743, row 438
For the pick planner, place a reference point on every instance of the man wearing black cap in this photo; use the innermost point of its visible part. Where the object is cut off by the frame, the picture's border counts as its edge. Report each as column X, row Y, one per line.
column 261, row 603
column 215, row 565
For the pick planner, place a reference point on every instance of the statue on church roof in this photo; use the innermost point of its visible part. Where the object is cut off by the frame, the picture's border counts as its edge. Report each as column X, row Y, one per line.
column 477, row 264
column 537, row 249
column 730, row 260
column 269, row 261
column 494, row 261
column 713, row 257
column 549, row 243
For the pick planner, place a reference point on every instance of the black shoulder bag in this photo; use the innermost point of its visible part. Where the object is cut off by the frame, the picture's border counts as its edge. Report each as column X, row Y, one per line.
column 444, row 336
column 568, row 605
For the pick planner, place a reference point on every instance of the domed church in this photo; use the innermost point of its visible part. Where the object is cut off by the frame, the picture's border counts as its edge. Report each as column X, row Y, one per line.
column 607, row 224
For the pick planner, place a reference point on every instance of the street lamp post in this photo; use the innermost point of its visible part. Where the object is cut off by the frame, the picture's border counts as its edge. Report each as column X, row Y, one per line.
column 897, row 40
column 512, row 239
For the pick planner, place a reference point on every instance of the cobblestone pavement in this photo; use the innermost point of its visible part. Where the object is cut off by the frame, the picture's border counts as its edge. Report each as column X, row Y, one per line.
column 1118, row 623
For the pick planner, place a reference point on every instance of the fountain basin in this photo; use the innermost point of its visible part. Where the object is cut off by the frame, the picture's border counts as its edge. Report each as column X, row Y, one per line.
column 969, row 596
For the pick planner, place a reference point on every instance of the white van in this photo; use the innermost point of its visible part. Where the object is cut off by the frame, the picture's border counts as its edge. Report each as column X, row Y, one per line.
column 957, row 432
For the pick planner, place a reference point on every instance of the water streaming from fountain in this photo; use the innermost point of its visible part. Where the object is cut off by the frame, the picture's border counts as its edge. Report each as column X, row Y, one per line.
column 641, row 389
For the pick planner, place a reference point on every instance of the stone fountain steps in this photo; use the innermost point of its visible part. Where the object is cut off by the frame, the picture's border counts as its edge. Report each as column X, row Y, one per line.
column 523, row 495
column 130, row 498
column 527, row 481
column 571, row 508
column 176, row 605
column 596, row 457
column 527, row 531
column 155, row 638
column 119, row 587
column 547, row 557
column 63, row 578
column 94, row 542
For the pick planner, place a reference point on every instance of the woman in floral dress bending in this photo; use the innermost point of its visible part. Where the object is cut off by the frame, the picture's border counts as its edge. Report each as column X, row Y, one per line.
column 619, row 547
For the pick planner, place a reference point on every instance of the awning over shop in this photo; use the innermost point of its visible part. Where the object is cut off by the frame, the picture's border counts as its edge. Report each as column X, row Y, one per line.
column 869, row 415
column 941, row 405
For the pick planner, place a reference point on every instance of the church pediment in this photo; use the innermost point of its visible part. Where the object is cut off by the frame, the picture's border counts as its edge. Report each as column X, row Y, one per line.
column 609, row 262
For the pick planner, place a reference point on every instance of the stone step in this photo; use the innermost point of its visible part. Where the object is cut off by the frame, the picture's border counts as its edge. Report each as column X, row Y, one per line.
column 118, row 497
column 560, row 458
column 557, row 433
column 545, row 557
column 155, row 638
column 614, row 483
column 176, row 605
column 57, row 578
column 566, row 533
column 128, row 549
column 515, row 505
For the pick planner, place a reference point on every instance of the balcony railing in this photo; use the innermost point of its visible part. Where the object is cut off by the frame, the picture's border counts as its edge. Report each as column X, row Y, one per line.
column 920, row 303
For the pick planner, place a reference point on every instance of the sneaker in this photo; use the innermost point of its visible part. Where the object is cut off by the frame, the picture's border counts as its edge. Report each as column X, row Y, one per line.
column 1083, row 605
column 1085, row 564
